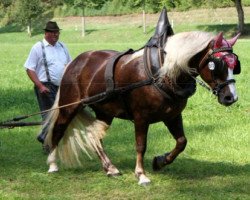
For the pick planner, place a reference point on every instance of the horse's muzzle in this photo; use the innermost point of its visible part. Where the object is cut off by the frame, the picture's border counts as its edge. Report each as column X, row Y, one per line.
column 227, row 99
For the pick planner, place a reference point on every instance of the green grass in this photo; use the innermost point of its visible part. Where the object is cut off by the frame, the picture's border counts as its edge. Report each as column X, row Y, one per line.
column 214, row 165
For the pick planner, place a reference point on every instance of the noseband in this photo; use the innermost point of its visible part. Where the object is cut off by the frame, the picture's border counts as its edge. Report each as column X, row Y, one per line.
column 209, row 57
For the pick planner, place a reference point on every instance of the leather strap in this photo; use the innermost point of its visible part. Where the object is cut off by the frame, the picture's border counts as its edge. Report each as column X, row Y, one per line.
column 153, row 60
column 109, row 71
column 45, row 62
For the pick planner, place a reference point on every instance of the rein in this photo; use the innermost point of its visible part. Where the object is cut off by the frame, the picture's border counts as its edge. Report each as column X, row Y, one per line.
column 217, row 88
column 85, row 101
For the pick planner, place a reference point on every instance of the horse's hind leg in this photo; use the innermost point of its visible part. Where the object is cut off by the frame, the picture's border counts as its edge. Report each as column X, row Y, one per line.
column 52, row 158
column 176, row 129
column 60, row 125
column 107, row 165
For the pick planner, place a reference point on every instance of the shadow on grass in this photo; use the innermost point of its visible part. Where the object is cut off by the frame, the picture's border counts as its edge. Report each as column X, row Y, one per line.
column 16, row 102
column 11, row 28
column 228, row 29
column 89, row 31
column 31, row 157
column 27, row 154
column 184, row 168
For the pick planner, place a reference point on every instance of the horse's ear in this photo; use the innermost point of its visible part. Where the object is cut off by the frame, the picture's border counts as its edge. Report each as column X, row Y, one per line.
column 233, row 40
column 218, row 40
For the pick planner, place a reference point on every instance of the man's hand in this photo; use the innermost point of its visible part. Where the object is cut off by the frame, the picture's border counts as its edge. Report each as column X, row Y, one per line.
column 43, row 89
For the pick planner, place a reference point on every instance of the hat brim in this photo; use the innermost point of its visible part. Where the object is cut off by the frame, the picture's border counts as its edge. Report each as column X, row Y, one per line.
column 52, row 29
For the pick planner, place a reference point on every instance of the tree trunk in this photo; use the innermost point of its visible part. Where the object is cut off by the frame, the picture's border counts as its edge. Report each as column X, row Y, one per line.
column 29, row 28
column 83, row 23
column 240, row 15
column 83, row 26
column 144, row 21
column 143, row 17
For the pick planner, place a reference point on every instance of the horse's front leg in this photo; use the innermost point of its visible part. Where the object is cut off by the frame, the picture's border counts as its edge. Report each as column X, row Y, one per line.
column 176, row 129
column 141, row 130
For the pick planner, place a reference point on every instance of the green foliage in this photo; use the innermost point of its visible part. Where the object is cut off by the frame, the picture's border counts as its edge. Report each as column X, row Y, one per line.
column 9, row 9
column 6, row 3
column 52, row 3
column 6, row 10
column 85, row 3
column 118, row 7
column 29, row 10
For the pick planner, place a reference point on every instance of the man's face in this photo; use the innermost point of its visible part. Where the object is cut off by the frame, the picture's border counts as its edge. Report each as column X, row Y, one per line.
column 52, row 36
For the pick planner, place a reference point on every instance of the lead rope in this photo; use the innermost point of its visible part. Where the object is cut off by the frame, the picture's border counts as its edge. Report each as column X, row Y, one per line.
column 201, row 83
column 18, row 118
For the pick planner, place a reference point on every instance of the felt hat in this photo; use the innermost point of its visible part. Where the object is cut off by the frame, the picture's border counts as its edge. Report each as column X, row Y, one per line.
column 51, row 26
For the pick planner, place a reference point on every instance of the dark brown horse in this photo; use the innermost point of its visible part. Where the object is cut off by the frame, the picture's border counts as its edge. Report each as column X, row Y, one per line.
column 159, row 98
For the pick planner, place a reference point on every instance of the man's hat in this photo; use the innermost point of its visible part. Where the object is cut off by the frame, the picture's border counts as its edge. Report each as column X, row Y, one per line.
column 51, row 26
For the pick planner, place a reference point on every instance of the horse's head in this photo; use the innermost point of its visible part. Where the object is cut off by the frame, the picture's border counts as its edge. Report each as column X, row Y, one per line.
column 218, row 67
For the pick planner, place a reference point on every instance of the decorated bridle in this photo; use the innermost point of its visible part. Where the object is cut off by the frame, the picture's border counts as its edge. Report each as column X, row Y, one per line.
column 216, row 60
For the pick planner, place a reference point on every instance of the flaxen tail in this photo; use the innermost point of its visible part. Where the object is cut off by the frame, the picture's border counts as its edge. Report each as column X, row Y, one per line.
column 83, row 134
column 50, row 121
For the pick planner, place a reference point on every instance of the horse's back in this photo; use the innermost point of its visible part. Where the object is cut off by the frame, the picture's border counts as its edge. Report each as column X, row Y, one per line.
column 82, row 72
column 89, row 61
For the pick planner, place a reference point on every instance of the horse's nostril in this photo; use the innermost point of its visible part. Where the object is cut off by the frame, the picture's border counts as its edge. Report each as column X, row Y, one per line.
column 228, row 98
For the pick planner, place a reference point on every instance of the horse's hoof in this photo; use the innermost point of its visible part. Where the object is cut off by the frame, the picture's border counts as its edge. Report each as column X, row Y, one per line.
column 144, row 184
column 143, row 180
column 112, row 171
column 53, row 168
column 155, row 165
column 159, row 162
column 109, row 174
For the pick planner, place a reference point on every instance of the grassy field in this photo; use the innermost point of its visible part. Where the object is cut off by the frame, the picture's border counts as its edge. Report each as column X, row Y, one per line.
column 215, row 164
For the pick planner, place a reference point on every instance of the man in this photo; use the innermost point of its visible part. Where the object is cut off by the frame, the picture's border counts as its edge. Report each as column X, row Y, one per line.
column 45, row 66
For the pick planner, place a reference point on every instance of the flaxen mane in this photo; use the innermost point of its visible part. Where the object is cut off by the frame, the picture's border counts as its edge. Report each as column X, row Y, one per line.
column 180, row 48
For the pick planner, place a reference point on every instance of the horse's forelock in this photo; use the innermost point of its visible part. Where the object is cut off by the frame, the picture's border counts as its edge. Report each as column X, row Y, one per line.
column 180, row 48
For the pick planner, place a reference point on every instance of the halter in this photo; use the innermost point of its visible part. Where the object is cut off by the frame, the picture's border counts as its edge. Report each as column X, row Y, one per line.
column 210, row 57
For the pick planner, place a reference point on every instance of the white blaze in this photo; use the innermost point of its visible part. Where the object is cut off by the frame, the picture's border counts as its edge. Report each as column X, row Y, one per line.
column 232, row 85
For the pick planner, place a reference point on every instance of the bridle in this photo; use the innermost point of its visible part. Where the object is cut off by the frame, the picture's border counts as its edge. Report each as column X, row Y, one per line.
column 210, row 60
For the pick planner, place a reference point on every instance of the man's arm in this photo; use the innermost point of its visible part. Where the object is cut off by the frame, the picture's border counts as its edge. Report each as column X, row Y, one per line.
column 32, row 75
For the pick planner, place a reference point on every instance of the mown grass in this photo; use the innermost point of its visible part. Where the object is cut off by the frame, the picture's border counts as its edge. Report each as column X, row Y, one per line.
column 215, row 164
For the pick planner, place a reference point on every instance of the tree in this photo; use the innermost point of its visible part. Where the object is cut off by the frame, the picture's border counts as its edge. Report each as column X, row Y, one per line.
column 82, row 4
column 215, row 3
column 240, row 15
column 29, row 10
column 52, row 3
column 5, row 11
column 5, row 3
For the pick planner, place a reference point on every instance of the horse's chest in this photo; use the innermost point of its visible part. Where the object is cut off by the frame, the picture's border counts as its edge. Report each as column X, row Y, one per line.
column 169, row 111
column 161, row 112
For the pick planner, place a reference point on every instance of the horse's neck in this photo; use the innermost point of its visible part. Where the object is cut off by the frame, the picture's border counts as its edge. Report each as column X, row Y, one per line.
column 196, row 61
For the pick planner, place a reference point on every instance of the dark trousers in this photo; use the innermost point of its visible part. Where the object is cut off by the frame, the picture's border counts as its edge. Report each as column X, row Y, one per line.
column 45, row 102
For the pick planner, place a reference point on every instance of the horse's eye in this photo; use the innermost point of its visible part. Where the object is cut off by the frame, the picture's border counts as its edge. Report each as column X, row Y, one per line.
column 211, row 65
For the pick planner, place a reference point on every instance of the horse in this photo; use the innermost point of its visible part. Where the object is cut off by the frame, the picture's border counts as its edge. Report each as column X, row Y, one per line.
column 73, row 129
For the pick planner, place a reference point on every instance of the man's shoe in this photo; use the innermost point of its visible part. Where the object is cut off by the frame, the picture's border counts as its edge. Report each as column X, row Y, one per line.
column 46, row 149
column 41, row 137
